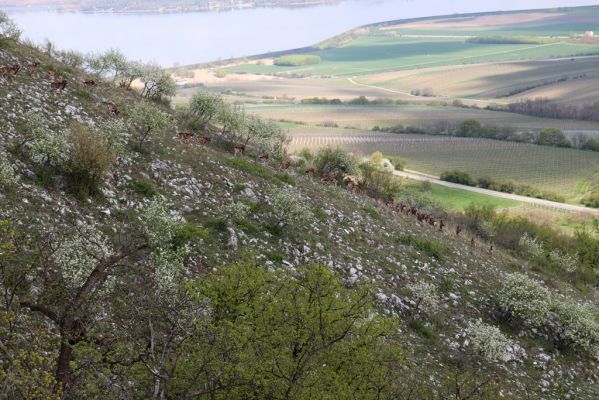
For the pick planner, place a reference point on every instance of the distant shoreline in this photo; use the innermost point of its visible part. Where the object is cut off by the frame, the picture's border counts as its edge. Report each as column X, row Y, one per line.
column 223, row 6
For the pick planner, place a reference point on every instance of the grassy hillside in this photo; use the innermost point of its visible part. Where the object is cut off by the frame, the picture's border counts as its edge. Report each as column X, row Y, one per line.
column 186, row 274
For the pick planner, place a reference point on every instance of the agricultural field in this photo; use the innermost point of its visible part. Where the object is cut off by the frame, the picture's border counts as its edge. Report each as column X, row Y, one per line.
column 563, row 171
column 393, row 59
column 262, row 88
column 417, row 115
column 379, row 53
column 423, row 67
column 571, row 80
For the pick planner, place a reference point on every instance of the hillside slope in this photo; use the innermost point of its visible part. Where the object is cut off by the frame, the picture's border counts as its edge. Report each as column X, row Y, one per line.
column 356, row 238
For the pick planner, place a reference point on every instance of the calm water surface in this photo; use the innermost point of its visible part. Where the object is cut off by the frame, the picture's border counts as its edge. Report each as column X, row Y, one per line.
column 198, row 37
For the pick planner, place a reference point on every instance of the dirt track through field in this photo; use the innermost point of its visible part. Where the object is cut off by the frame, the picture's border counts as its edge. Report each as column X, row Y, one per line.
column 509, row 196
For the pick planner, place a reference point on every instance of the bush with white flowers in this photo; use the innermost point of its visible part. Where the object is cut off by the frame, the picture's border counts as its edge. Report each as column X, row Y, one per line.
column 8, row 28
column 79, row 253
column 530, row 246
column 7, row 173
column 525, row 298
column 50, row 147
column 425, row 296
column 570, row 323
column 289, row 206
column 114, row 133
column 239, row 210
column 575, row 325
column 159, row 223
column 488, row 341
column 564, row 261
column 169, row 268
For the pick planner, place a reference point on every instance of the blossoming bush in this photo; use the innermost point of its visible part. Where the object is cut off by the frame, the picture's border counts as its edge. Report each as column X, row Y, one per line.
column 159, row 223
column 336, row 163
column 7, row 173
column 80, row 252
column 426, row 296
column 488, row 341
column 564, row 261
column 50, row 147
column 524, row 298
column 570, row 324
column 162, row 226
column 289, row 206
column 575, row 325
column 530, row 246
column 114, row 133
column 239, row 210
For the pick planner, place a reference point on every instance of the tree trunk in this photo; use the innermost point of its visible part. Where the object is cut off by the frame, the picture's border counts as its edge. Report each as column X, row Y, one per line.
column 63, row 368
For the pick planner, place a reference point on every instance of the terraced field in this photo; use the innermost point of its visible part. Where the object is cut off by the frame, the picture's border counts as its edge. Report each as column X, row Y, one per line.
column 560, row 170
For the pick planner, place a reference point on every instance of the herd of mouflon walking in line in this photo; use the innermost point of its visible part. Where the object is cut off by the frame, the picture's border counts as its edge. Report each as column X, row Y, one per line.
column 57, row 84
column 350, row 182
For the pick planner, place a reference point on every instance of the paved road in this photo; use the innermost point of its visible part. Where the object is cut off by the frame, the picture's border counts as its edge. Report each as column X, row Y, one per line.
column 524, row 199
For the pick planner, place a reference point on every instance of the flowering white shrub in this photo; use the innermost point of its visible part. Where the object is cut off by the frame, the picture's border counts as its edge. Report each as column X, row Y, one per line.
column 570, row 323
column 575, row 324
column 289, row 206
column 239, row 210
column 524, row 298
column 115, row 133
column 50, row 147
column 531, row 246
column 7, row 173
column 487, row 229
column 8, row 29
column 564, row 261
column 80, row 252
column 426, row 296
column 488, row 341
column 169, row 268
column 159, row 223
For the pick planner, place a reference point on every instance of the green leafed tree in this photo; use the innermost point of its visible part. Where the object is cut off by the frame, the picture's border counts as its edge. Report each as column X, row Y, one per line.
column 553, row 137
column 288, row 335
column 148, row 120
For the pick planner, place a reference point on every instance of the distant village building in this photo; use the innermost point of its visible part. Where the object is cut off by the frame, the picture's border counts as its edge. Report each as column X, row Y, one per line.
column 589, row 34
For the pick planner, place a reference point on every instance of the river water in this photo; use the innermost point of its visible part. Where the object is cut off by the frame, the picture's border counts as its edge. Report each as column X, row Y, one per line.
column 198, row 37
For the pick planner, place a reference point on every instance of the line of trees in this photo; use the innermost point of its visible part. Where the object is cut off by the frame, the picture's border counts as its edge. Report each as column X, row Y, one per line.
column 113, row 66
column 543, row 107
column 472, row 128
column 465, row 178
column 510, row 40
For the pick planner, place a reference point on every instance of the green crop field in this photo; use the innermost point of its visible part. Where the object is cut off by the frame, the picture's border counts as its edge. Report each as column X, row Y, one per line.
column 375, row 54
column 558, row 170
